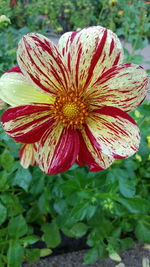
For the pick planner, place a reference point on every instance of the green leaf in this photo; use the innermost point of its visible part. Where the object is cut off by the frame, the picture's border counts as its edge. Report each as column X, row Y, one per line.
column 12, row 204
column 51, row 234
column 78, row 230
column 144, row 109
column 33, row 214
column 32, row 255
column 126, row 187
column 3, row 213
column 38, row 181
column 3, row 181
column 7, row 160
column 29, row 240
column 22, row 178
column 91, row 256
column 17, row 227
column 60, row 206
column 44, row 201
column 126, row 243
column 142, row 232
column 45, row 252
column 15, row 254
column 135, row 205
column 137, row 59
column 82, row 210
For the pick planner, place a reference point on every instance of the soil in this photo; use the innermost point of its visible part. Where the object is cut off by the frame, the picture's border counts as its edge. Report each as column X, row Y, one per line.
column 136, row 257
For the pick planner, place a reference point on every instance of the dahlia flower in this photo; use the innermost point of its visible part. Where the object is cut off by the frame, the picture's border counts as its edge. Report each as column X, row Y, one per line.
column 73, row 99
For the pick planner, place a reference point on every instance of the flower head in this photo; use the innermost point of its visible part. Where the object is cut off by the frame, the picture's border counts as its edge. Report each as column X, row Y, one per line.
column 73, row 99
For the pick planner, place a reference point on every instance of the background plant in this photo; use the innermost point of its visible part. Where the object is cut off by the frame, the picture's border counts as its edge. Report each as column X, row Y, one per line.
column 109, row 208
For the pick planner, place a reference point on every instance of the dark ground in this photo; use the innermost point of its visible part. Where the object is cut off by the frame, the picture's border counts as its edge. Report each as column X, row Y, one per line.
column 137, row 257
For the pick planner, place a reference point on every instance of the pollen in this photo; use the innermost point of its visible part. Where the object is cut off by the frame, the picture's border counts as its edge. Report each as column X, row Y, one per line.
column 71, row 110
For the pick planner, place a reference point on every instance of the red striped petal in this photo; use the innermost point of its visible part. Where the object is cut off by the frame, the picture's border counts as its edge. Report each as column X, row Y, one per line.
column 88, row 53
column 92, row 156
column 124, row 86
column 27, row 155
column 27, row 124
column 41, row 63
column 14, row 69
column 113, row 132
column 58, row 149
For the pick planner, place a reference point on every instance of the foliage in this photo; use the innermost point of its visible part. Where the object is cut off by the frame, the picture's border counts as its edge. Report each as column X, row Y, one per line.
column 110, row 208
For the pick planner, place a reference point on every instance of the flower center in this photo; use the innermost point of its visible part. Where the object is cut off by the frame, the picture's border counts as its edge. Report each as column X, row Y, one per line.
column 71, row 110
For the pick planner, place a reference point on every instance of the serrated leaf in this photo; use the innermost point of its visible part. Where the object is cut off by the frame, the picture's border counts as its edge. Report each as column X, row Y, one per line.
column 29, row 240
column 22, row 178
column 135, row 205
column 78, row 230
column 32, row 255
column 44, row 201
column 142, row 232
column 3, row 181
column 7, row 160
column 12, row 204
column 45, row 252
column 17, row 227
column 91, row 256
column 127, row 187
column 15, row 254
column 51, row 234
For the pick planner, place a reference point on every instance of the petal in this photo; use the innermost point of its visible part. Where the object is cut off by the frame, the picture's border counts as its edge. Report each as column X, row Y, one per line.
column 58, row 149
column 62, row 43
column 27, row 124
column 15, row 90
column 14, row 69
column 41, row 63
column 113, row 132
column 27, row 155
column 92, row 156
column 124, row 86
column 90, row 52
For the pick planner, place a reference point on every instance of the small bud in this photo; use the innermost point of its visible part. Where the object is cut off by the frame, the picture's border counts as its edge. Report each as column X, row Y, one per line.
column 3, row 19
column 148, row 141
column 59, row 29
column 120, row 13
column 113, row 2
column 108, row 204
column 138, row 157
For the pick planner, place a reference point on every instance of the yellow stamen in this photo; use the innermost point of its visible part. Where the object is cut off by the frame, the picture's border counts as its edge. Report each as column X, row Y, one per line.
column 71, row 110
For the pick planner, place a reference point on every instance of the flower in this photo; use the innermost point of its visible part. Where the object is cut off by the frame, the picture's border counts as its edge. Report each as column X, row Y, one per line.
column 73, row 100
column 27, row 155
